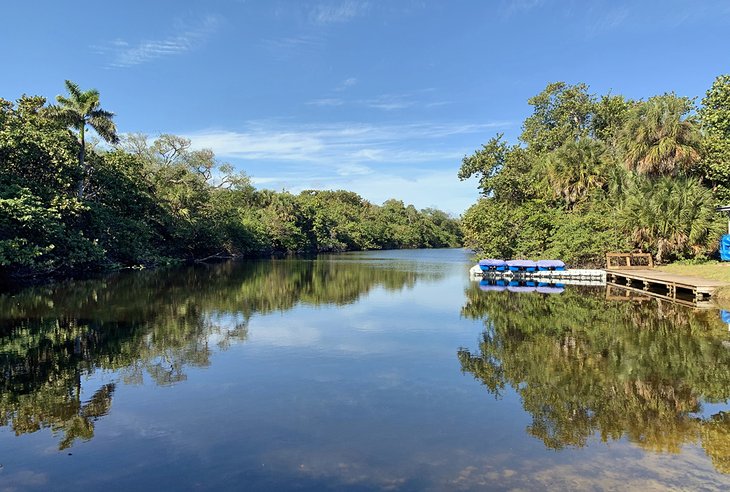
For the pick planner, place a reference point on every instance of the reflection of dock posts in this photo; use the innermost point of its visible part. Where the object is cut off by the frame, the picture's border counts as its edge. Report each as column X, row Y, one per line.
column 698, row 295
column 671, row 290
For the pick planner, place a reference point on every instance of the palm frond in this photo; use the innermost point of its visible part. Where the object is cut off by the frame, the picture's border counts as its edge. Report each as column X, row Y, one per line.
column 73, row 89
column 105, row 127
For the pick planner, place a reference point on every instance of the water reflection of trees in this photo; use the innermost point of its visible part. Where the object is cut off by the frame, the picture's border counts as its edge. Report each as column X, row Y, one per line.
column 146, row 325
column 585, row 367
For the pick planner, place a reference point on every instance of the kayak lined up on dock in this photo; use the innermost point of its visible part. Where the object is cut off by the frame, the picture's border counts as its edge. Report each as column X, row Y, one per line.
column 495, row 265
column 543, row 271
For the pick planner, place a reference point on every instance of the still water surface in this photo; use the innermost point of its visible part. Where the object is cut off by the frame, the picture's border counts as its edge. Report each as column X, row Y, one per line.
column 378, row 370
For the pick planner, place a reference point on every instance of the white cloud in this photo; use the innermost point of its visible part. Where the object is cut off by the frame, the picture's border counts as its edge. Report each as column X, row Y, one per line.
column 384, row 102
column 336, row 144
column 389, row 102
column 337, row 12
column 293, row 46
column 414, row 162
column 347, row 83
column 602, row 21
column 439, row 188
column 124, row 54
column 327, row 101
column 514, row 7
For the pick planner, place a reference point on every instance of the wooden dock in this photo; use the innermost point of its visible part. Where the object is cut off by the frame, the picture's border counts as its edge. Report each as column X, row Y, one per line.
column 663, row 284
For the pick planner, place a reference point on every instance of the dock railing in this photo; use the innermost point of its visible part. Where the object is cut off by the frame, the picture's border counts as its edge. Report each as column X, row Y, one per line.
column 629, row 261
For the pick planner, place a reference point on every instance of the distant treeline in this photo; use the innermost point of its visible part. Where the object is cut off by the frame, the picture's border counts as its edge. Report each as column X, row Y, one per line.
column 592, row 174
column 67, row 206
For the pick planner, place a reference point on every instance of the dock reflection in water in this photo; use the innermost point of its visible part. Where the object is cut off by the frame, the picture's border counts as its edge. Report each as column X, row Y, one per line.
column 584, row 367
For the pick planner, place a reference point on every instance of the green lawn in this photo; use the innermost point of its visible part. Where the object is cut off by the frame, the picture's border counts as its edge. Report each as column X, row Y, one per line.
column 713, row 270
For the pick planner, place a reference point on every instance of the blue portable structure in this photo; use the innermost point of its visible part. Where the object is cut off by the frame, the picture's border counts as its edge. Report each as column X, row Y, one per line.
column 725, row 247
column 725, row 240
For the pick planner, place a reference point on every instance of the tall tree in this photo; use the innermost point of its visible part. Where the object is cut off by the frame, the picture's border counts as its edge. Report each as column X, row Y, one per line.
column 561, row 113
column 661, row 137
column 79, row 109
column 715, row 119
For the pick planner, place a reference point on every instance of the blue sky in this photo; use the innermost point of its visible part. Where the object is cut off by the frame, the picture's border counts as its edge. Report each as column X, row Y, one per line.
column 380, row 97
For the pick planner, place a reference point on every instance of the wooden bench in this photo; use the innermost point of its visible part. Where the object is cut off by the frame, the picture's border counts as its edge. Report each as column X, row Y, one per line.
column 629, row 261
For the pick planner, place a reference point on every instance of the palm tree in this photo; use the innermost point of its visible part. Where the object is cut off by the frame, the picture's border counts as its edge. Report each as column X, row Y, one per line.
column 81, row 108
column 576, row 168
column 659, row 138
column 671, row 217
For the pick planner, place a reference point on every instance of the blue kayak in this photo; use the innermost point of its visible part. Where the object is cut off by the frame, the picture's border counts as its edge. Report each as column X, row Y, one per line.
column 550, row 265
column 494, row 265
column 521, row 265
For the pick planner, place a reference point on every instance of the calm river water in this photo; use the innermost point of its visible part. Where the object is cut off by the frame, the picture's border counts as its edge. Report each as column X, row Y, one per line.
column 378, row 370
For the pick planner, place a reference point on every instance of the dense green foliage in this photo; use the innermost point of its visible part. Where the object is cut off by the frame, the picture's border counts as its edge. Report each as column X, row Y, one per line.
column 149, row 326
column 586, row 368
column 596, row 174
column 715, row 115
column 66, row 206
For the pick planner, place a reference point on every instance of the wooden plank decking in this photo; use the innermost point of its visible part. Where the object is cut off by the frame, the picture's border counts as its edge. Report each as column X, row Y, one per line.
column 698, row 288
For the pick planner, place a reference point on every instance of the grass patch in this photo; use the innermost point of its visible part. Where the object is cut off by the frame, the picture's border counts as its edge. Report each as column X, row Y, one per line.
column 714, row 270
column 711, row 270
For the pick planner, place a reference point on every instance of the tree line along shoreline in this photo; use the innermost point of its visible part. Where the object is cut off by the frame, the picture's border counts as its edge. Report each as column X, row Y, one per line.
column 589, row 174
column 69, row 207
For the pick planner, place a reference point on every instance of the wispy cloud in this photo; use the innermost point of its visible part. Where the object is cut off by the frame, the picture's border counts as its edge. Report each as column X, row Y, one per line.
column 293, row 46
column 326, row 101
column 384, row 102
column 390, row 102
column 602, row 21
column 416, row 162
column 515, row 7
column 337, row 11
column 347, row 83
column 437, row 188
column 341, row 143
column 123, row 54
